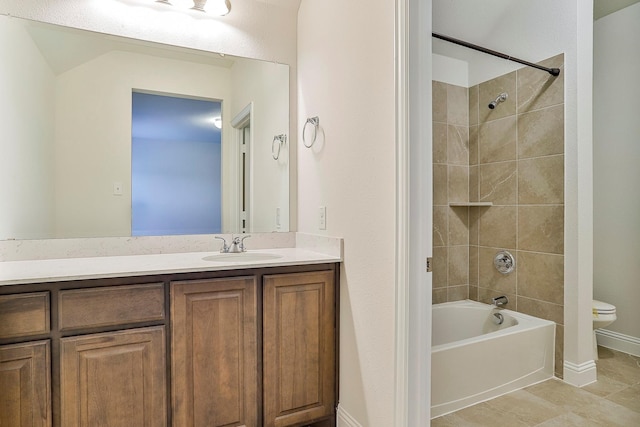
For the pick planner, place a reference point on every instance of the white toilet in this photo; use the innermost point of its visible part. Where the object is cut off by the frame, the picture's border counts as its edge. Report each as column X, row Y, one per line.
column 603, row 315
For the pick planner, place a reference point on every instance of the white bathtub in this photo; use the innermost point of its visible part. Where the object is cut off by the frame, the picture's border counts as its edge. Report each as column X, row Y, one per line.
column 473, row 359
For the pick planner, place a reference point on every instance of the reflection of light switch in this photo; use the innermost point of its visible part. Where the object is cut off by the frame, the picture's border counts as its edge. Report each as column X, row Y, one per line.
column 277, row 217
column 322, row 218
column 117, row 189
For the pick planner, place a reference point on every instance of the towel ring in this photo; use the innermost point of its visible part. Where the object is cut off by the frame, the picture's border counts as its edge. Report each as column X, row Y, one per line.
column 282, row 139
column 315, row 121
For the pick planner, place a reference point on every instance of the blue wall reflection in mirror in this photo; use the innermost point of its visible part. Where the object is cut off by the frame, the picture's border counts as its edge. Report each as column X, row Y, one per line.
column 175, row 165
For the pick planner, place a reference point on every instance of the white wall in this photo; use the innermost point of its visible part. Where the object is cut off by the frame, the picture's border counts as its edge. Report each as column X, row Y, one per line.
column 266, row 85
column 93, row 133
column 616, row 141
column 346, row 78
column 450, row 70
column 27, row 91
column 254, row 28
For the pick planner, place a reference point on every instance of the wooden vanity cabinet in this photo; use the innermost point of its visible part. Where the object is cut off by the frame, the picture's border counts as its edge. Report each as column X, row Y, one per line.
column 214, row 368
column 244, row 348
column 225, row 367
column 25, row 391
column 299, row 348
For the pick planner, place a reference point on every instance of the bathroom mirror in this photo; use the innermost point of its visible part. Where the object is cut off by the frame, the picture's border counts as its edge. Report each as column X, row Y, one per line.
column 66, row 147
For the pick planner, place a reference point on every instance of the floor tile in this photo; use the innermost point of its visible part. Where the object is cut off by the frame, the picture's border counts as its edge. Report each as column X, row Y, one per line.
column 605, row 386
column 482, row 415
column 563, row 395
column 629, row 398
column 569, row 420
column 526, row 407
column 609, row 414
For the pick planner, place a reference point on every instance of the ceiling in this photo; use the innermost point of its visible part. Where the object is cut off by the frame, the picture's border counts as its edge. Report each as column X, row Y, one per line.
column 605, row 7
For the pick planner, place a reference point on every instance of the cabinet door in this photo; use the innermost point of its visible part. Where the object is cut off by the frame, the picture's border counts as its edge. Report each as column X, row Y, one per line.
column 25, row 391
column 299, row 348
column 214, row 352
column 114, row 379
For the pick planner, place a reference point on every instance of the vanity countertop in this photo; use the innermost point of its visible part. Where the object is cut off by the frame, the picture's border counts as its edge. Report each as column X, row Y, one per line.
column 58, row 270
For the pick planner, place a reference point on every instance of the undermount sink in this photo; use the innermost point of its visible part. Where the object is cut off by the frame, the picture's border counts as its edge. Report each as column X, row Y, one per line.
column 242, row 257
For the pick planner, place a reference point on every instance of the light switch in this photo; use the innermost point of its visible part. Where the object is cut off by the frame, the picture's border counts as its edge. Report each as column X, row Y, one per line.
column 322, row 218
column 117, row 189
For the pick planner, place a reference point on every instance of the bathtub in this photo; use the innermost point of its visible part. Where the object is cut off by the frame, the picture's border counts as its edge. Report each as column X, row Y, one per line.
column 473, row 359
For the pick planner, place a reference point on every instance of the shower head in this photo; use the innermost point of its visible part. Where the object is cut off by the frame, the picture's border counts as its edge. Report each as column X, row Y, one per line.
column 501, row 98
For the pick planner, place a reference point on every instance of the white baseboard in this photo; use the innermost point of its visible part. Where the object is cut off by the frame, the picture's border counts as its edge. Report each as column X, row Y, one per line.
column 345, row 419
column 618, row 341
column 579, row 375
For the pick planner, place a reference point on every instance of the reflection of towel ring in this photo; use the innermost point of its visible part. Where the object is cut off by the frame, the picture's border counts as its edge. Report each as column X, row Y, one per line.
column 315, row 121
column 282, row 139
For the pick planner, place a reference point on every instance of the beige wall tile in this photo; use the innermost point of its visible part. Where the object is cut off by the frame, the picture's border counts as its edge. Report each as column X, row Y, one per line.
column 457, row 105
column 541, row 276
column 490, row 278
column 439, row 296
column 440, row 226
column 458, row 226
column 474, row 184
column 490, row 90
column 537, row 89
column 458, row 145
column 498, row 183
column 473, row 293
column 473, row 105
column 439, row 97
column 458, row 183
column 541, row 132
column 440, row 184
column 458, row 265
column 498, row 227
column 541, row 309
column 457, row 293
column 474, row 265
column 439, row 144
column 497, row 140
column 541, row 229
column 440, row 267
column 473, row 145
column 474, row 224
column 541, row 180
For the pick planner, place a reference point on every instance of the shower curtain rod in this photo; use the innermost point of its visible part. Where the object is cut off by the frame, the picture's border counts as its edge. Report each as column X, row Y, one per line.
column 552, row 71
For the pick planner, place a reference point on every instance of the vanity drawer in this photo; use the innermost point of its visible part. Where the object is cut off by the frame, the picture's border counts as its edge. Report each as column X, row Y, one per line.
column 24, row 314
column 110, row 306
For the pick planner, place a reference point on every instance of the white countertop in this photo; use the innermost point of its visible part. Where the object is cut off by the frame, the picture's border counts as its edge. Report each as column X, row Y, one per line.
column 57, row 270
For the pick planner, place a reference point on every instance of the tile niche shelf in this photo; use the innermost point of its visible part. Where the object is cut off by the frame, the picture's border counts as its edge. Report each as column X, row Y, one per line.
column 469, row 204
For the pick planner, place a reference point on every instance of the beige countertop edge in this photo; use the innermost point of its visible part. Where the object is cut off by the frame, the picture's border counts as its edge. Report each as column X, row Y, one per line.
column 60, row 270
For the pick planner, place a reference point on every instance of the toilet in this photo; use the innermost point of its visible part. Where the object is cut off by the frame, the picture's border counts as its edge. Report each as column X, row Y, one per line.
column 603, row 315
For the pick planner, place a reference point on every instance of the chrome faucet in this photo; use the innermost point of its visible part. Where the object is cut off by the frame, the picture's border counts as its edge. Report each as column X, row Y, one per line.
column 236, row 246
column 500, row 301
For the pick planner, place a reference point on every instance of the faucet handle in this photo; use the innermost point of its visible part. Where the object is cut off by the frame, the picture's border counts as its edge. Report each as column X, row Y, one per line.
column 225, row 247
column 241, row 245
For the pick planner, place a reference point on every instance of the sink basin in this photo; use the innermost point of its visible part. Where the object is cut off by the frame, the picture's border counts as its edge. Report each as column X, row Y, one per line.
column 242, row 257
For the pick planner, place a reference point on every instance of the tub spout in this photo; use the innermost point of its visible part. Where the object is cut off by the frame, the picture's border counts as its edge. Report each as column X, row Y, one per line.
column 500, row 301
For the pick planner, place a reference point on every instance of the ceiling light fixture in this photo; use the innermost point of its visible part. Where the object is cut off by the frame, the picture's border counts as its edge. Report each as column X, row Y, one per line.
column 213, row 7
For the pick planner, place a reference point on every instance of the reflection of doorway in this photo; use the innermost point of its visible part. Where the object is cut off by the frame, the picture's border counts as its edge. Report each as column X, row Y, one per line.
column 175, row 165
column 242, row 123
column 245, row 170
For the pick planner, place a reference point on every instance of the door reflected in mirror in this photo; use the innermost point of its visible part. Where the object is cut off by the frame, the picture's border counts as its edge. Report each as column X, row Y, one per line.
column 67, row 144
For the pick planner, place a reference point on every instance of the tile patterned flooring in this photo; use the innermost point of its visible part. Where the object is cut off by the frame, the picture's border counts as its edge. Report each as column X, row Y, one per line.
column 612, row 401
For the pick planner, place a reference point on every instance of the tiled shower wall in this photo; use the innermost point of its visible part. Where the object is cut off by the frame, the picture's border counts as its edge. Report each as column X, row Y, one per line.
column 514, row 159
